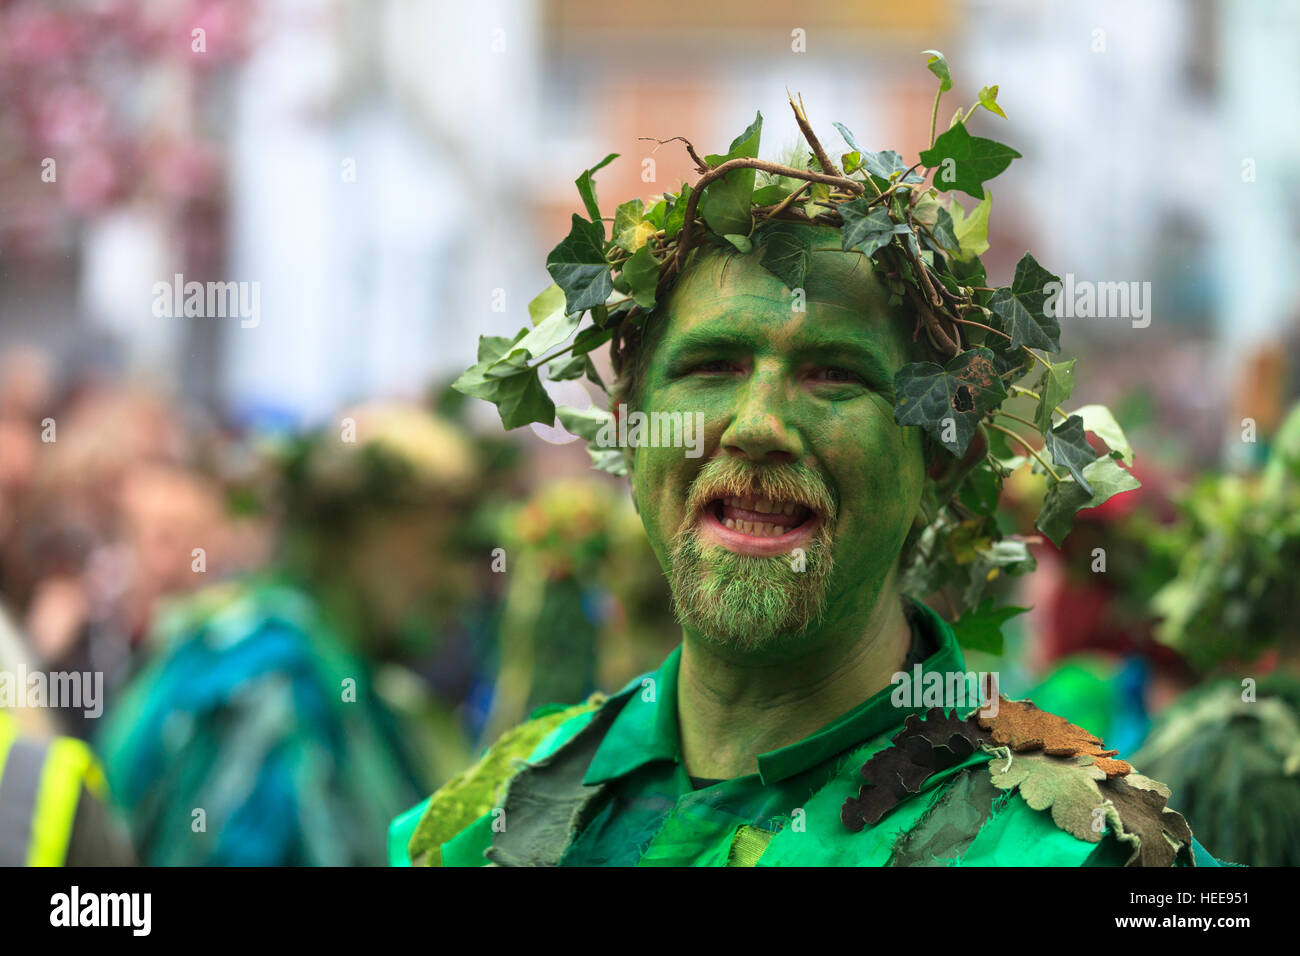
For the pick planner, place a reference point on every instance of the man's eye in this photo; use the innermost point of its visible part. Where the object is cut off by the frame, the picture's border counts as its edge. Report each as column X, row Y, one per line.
column 836, row 375
column 717, row 365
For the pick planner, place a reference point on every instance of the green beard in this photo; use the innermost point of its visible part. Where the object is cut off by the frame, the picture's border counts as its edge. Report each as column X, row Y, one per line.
column 742, row 601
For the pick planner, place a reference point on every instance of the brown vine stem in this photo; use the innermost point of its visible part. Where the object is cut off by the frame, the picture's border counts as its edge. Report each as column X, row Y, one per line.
column 802, row 119
column 1028, row 447
column 744, row 162
column 700, row 164
column 981, row 325
column 784, row 203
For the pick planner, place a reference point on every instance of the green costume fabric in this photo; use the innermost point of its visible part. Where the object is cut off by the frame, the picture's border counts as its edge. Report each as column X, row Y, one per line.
column 643, row 811
column 256, row 715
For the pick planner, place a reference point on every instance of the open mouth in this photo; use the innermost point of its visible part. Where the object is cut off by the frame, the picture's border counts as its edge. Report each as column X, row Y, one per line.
column 758, row 526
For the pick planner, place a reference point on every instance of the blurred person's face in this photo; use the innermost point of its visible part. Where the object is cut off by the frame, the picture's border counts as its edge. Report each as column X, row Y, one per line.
column 791, row 522
column 166, row 514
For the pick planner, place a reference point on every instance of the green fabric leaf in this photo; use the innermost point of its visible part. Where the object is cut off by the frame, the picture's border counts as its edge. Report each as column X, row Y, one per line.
column 1140, row 819
column 981, row 629
column 972, row 231
column 787, row 247
column 1054, row 387
column 587, row 190
column 930, row 396
column 1069, row 447
column 1022, row 308
column 1068, row 786
column 1065, row 498
column 579, row 267
column 726, row 201
column 1099, row 420
column 974, row 160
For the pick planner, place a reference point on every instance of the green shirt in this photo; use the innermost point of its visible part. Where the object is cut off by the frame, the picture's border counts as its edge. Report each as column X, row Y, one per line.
column 788, row 813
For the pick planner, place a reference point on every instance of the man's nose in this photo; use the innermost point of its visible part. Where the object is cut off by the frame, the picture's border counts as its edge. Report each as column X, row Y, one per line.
column 760, row 429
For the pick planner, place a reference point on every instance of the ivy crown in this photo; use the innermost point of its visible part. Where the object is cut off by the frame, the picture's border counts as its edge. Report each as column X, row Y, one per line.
column 982, row 340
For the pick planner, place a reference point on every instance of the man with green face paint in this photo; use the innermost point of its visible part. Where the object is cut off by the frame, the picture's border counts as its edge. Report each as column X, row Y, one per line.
column 789, row 727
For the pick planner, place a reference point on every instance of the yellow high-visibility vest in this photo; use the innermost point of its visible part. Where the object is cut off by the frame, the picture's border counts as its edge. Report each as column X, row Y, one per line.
column 40, row 785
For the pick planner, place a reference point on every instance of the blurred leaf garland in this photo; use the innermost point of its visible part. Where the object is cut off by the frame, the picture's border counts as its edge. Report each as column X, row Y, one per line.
column 924, row 244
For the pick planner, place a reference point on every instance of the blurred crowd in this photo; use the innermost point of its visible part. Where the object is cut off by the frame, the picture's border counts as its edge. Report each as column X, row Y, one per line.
column 288, row 638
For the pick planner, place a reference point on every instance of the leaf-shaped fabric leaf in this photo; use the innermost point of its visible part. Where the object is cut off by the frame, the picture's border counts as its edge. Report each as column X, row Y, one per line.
column 1021, row 726
column 1065, row 498
column 579, row 267
column 1068, row 786
column 951, row 825
column 1069, row 447
column 1099, row 420
column 1023, row 308
column 726, row 201
column 966, row 162
column 865, row 229
column 1054, row 387
column 1141, row 819
column 785, row 254
column 922, row 748
column 948, row 402
column 587, row 190
column 981, row 628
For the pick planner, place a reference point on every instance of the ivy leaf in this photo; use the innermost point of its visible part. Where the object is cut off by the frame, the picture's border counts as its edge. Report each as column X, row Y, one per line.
column 579, row 267
column 567, row 368
column 981, row 629
column 949, row 401
column 944, row 231
column 587, row 190
column 588, row 423
column 1069, row 447
column 1022, row 308
column 938, row 65
column 972, row 231
column 1054, row 387
column 887, row 166
column 642, row 273
column 592, row 337
column 726, row 201
column 628, row 233
column 989, row 100
column 516, row 391
column 787, row 247
column 848, row 138
column 1099, row 420
column 865, row 229
column 676, row 216
column 742, row 243
column 771, row 194
column 1065, row 498
column 973, row 160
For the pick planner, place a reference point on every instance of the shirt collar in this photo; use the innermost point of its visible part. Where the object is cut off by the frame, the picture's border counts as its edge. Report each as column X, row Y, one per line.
column 646, row 730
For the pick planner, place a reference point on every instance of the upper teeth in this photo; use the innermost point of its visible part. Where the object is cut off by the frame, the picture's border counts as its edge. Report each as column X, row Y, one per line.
column 764, row 505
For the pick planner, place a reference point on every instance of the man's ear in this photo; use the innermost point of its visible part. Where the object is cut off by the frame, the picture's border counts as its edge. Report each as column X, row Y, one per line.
column 947, row 471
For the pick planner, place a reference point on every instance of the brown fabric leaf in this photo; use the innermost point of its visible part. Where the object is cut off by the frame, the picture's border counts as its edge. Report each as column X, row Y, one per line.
column 922, row 748
column 1022, row 726
column 1139, row 817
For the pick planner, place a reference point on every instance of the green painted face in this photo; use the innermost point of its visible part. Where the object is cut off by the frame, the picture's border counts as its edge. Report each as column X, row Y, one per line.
column 787, row 526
